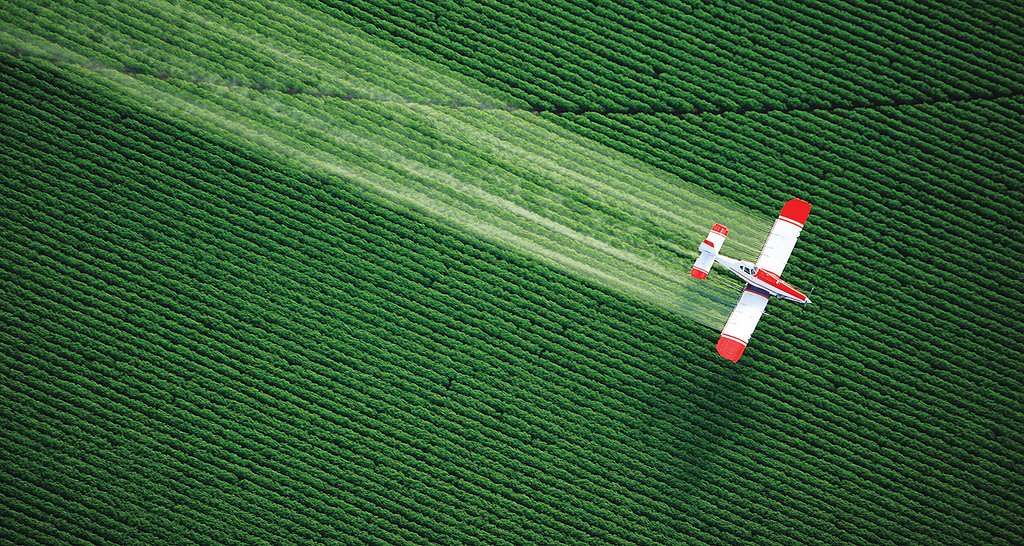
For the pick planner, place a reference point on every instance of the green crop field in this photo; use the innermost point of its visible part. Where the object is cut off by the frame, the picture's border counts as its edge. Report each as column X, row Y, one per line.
column 416, row 272
column 510, row 177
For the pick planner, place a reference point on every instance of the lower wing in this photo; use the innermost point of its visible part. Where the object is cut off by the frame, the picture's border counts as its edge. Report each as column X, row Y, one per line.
column 742, row 322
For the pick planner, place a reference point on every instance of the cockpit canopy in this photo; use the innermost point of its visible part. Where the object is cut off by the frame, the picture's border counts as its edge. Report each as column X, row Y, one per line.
column 751, row 269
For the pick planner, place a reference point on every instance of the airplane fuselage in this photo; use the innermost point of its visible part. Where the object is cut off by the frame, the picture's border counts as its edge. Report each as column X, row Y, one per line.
column 762, row 279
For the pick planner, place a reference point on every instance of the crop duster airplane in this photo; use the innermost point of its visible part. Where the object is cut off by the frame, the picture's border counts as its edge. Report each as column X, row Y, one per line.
column 762, row 278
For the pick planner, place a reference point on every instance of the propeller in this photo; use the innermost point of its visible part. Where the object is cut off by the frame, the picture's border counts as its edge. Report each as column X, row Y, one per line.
column 808, row 300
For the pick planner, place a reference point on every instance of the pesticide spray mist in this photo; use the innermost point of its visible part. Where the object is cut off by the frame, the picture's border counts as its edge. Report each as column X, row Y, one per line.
column 439, row 143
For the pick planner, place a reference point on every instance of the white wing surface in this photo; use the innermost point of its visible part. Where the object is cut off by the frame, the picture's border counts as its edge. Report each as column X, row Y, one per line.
column 742, row 322
column 779, row 245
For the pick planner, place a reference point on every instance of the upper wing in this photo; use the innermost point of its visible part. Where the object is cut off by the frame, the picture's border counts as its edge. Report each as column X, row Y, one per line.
column 742, row 322
column 782, row 238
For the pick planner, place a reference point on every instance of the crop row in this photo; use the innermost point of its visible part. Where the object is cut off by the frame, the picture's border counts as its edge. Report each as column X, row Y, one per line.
column 116, row 298
column 761, row 164
column 560, row 56
column 924, row 314
column 94, row 221
column 550, row 383
column 377, row 139
column 564, row 56
column 238, row 45
column 287, row 332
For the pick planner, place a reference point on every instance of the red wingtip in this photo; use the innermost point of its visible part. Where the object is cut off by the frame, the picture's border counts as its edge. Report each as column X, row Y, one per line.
column 796, row 210
column 698, row 273
column 731, row 348
column 719, row 228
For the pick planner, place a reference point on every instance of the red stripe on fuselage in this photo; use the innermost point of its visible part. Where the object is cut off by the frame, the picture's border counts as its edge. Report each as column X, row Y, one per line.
column 777, row 285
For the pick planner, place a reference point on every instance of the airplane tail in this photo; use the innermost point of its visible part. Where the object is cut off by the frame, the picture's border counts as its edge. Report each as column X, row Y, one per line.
column 709, row 251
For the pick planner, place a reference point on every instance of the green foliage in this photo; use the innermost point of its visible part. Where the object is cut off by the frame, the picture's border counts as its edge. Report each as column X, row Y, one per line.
column 202, row 344
column 682, row 57
column 230, row 335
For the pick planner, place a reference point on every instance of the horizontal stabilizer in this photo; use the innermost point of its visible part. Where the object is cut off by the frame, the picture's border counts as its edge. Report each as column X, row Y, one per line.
column 709, row 249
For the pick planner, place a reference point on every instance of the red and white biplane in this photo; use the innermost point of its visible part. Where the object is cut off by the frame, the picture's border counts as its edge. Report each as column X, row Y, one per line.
column 762, row 278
